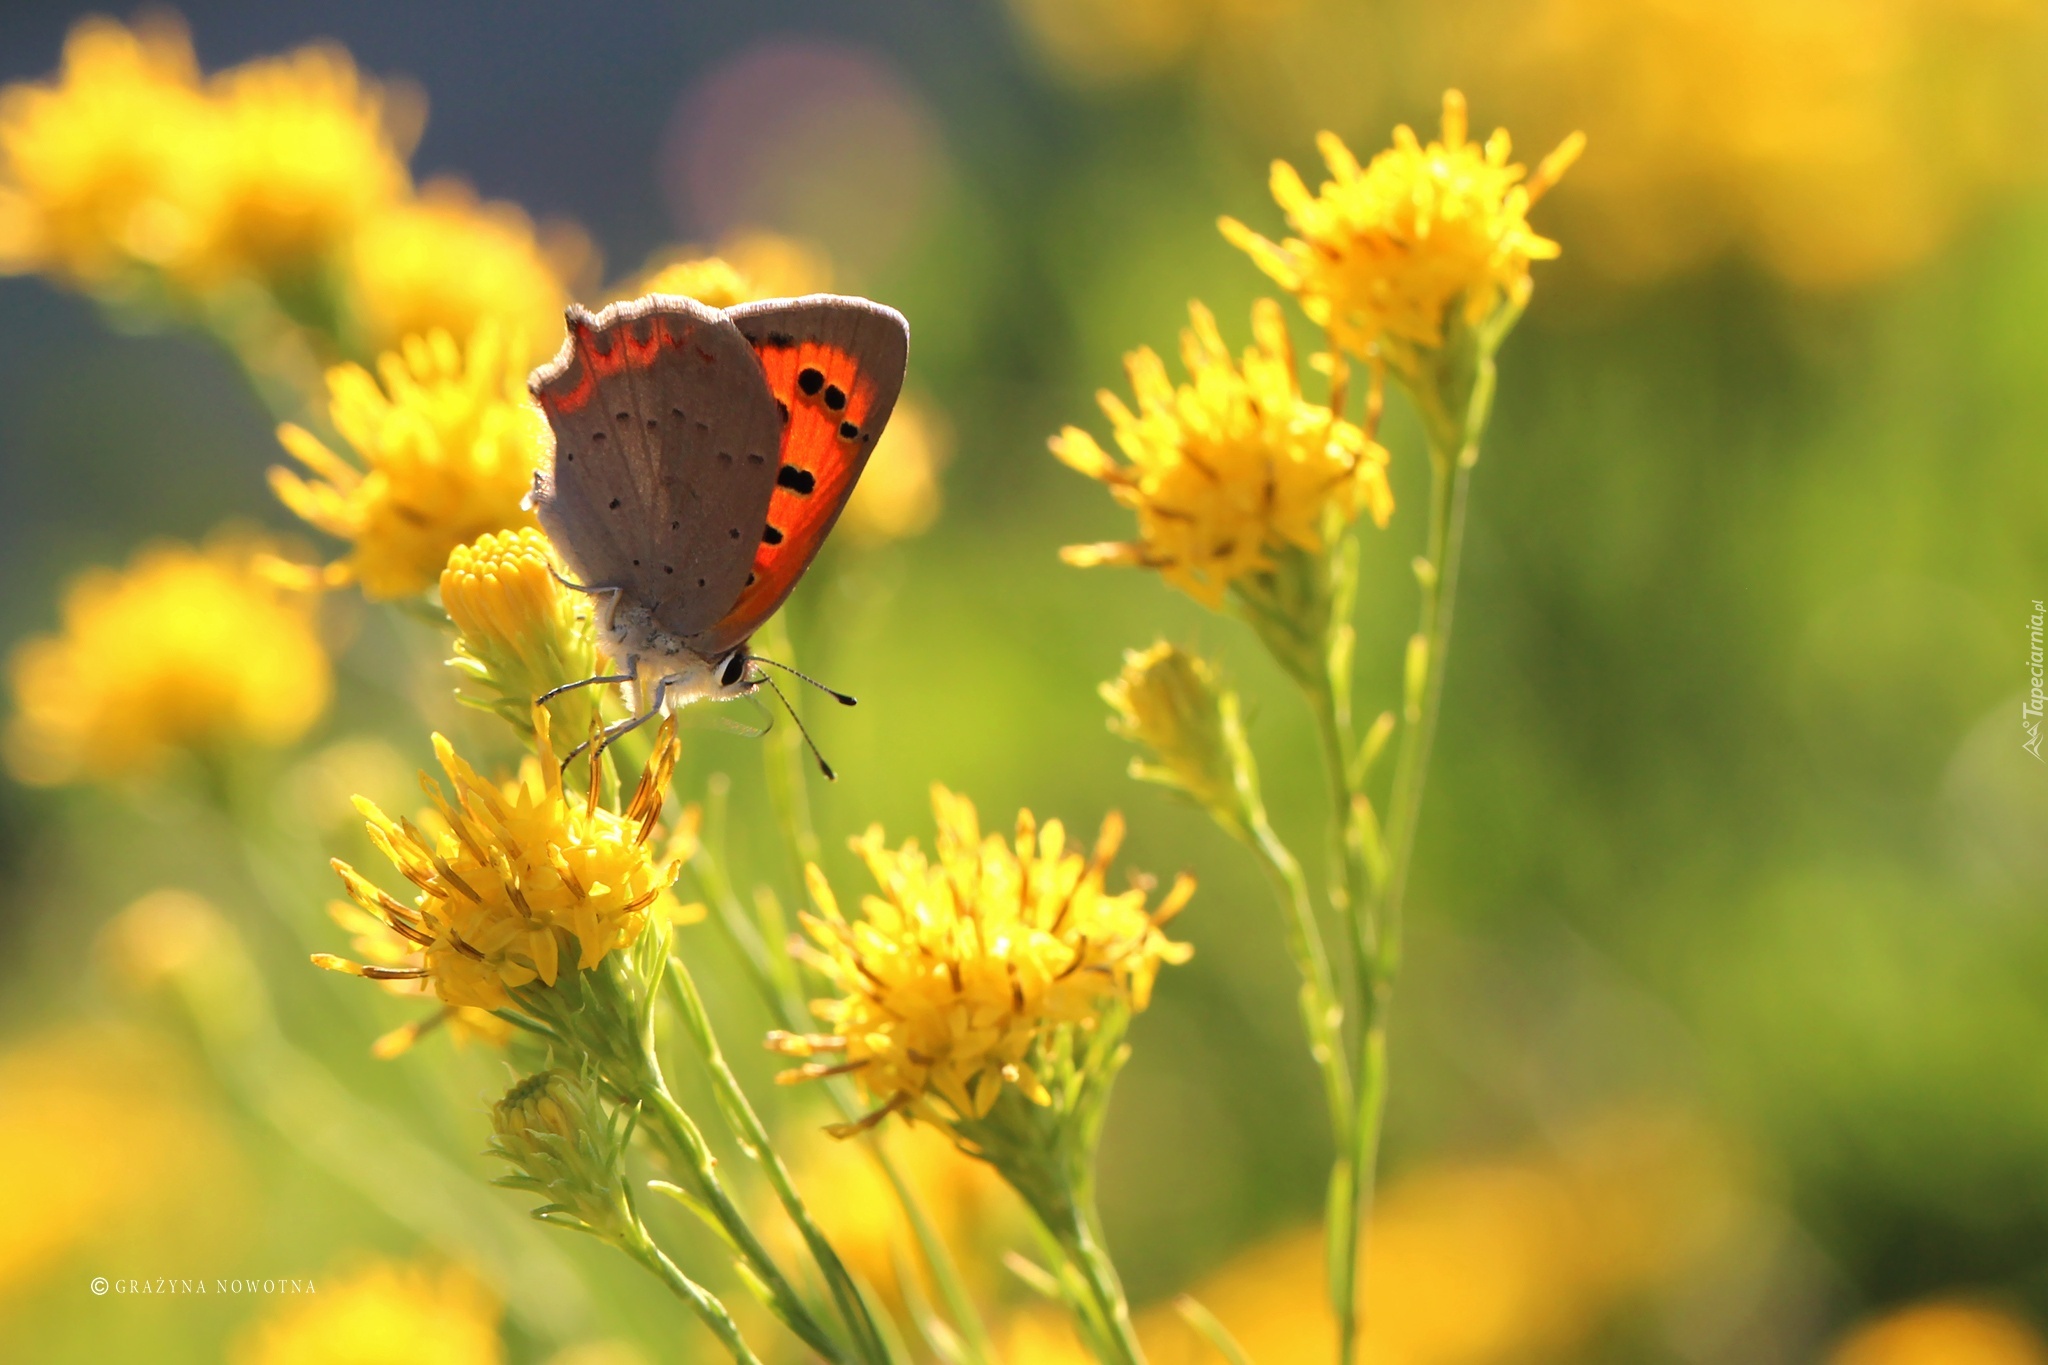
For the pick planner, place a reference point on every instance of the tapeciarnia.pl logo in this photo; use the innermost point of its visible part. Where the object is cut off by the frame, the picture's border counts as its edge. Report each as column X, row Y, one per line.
column 2031, row 708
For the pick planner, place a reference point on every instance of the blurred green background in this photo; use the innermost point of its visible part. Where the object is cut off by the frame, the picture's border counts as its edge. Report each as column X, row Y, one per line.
column 1730, row 822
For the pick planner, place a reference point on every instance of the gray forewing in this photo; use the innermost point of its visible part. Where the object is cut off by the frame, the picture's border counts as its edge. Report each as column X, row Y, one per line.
column 665, row 456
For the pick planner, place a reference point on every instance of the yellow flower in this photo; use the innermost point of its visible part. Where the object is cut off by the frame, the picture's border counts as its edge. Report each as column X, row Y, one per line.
column 511, row 877
column 965, row 964
column 899, row 494
column 1835, row 141
column 185, row 649
column 748, row 266
column 90, row 164
column 304, row 152
column 385, row 1312
column 1388, row 249
column 1516, row 1258
column 451, row 442
column 109, row 1144
column 1168, row 701
column 445, row 262
column 1943, row 1332
column 1229, row 467
column 711, row 280
column 521, row 632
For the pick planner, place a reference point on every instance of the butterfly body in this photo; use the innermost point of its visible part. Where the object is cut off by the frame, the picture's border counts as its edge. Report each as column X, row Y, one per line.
column 701, row 456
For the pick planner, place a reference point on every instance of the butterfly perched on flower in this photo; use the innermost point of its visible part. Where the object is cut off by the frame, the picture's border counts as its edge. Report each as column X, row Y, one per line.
column 701, row 457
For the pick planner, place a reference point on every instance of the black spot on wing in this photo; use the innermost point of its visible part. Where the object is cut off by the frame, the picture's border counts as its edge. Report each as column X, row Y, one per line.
column 811, row 380
column 771, row 535
column 800, row 481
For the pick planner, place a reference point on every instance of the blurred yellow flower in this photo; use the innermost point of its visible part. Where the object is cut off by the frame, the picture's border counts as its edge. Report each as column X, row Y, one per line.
column 1836, row 141
column 303, row 151
column 711, row 280
column 91, row 163
column 511, row 877
column 1388, row 249
column 381, row 1313
column 185, row 649
column 1486, row 1262
column 101, row 1127
column 746, row 267
column 520, row 632
column 444, row 262
column 899, row 493
column 1943, row 1332
column 1228, row 467
column 966, row 962
column 970, row 1208
column 451, row 442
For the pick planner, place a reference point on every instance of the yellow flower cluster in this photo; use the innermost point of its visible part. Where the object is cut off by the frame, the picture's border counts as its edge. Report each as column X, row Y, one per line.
column 519, row 631
column 1170, row 703
column 451, row 442
column 512, row 877
column 396, row 1314
column 1387, row 250
column 1228, row 467
column 185, row 649
column 128, row 158
column 128, row 173
column 968, row 961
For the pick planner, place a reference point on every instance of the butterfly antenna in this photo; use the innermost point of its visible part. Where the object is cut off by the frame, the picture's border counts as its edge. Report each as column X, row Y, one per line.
column 823, row 766
column 842, row 698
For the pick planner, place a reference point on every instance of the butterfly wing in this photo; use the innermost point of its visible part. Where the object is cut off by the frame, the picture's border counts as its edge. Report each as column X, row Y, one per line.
column 834, row 367
column 664, row 459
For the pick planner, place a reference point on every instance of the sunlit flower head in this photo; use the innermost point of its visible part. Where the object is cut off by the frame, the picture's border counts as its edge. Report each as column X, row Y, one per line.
column 515, row 881
column 185, row 649
column 520, row 633
column 303, row 152
column 445, row 262
column 388, row 1312
column 448, row 441
column 1387, row 250
column 1228, row 467
column 91, row 163
column 968, row 960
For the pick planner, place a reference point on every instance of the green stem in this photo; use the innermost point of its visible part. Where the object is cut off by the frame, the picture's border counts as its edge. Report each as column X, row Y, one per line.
column 1082, row 1244
column 1377, row 928
column 637, row 1244
column 693, row 1161
column 754, row 1138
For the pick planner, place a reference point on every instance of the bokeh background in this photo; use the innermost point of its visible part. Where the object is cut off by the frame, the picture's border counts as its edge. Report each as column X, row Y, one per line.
column 1724, row 1032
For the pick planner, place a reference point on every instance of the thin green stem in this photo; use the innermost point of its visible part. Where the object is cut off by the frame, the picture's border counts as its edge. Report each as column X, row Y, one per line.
column 637, row 1244
column 1110, row 1310
column 693, row 1161
column 754, row 1138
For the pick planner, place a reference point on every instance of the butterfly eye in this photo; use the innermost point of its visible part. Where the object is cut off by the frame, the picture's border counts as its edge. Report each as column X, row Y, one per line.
column 735, row 668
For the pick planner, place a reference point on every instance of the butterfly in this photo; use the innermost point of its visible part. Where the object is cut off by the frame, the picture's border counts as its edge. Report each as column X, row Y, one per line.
column 701, row 457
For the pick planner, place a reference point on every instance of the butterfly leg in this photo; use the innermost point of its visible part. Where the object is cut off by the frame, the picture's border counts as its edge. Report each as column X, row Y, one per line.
column 553, row 692
column 619, row 728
